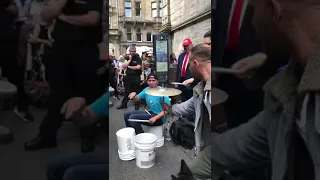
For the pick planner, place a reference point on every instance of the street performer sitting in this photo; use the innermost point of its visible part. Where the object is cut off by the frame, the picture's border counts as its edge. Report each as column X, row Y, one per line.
column 155, row 115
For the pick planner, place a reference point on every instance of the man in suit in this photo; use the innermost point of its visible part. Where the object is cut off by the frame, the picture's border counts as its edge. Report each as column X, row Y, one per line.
column 183, row 72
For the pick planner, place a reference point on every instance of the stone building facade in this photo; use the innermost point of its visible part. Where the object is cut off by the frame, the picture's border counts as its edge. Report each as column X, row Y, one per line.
column 185, row 19
column 138, row 21
column 114, row 33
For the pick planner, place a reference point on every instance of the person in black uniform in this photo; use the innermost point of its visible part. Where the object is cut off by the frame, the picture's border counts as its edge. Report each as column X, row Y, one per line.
column 132, row 78
column 72, row 66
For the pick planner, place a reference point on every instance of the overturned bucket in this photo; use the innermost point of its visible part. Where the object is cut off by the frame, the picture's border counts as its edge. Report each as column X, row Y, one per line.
column 158, row 131
column 125, row 140
column 145, row 144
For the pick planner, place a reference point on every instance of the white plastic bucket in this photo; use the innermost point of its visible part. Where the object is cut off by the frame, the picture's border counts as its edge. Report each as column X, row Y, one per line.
column 145, row 144
column 127, row 156
column 158, row 131
column 125, row 140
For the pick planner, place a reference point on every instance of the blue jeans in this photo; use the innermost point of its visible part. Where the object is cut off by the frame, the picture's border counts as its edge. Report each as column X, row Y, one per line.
column 142, row 115
column 79, row 167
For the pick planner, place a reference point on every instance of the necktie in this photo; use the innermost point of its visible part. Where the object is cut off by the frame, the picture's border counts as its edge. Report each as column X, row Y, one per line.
column 184, row 65
column 234, row 32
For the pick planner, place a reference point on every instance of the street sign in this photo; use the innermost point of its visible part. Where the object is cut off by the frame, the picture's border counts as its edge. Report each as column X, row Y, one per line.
column 161, row 55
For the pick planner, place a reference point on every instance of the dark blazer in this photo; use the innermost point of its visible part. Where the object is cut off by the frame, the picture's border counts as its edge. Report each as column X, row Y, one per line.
column 248, row 41
column 179, row 68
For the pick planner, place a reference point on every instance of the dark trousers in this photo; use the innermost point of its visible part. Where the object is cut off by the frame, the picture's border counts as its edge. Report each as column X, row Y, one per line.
column 141, row 115
column 113, row 84
column 12, row 70
column 79, row 167
column 131, row 84
column 73, row 73
column 240, row 108
column 186, row 93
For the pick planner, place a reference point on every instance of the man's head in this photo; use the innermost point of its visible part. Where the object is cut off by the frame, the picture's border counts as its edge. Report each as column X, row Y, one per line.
column 200, row 62
column 207, row 39
column 146, row 65
column 187, row 44
column 132, row 50
column 285, row 26
column 152, row 80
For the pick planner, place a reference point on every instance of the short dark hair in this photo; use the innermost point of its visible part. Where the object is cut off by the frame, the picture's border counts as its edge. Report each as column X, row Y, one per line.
column 201, row 52
column 152, row 75
column 207, row 34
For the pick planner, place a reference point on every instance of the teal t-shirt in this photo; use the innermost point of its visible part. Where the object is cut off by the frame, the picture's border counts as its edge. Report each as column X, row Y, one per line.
column 100, row 107
column 153, row 102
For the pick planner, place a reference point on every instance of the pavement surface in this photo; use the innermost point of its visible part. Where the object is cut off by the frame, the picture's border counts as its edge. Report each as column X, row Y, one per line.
column 168, row 157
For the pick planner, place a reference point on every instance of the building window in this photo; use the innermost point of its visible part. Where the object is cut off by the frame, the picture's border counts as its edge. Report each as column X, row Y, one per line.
column 127, row 6
column 129, row 34
column 139, row 35
column 149, row 36
column 154, row 9
column 160, row 8
column 138, row 9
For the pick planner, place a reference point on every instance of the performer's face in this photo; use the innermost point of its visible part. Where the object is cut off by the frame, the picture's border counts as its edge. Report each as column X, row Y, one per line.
column 152, row 82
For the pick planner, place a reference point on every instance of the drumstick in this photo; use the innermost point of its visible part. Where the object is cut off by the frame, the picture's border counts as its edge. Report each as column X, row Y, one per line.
column 138, row 120
column 147, row 111
column 177, row 83
column 225, row 70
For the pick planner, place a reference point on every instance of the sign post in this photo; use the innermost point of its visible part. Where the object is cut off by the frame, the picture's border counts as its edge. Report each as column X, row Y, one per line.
column 161, row 55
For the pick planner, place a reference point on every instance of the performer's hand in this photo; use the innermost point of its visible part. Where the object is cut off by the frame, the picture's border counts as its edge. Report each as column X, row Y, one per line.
column 166, row 108
column 249, row 65
column 152, row 120
column 72, row 105
column 132, row 95
column 188, row 82
column 83, row 117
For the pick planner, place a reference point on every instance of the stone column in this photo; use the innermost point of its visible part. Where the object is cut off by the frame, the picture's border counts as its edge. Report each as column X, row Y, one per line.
column 158, row 10
column 121, row 8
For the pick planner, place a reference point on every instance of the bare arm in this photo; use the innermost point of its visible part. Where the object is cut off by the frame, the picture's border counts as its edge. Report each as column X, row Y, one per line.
column 126, row 64
column 91, row 19
column 136, row 98
column 160, row 115
column 135, row 67
column 53, row 10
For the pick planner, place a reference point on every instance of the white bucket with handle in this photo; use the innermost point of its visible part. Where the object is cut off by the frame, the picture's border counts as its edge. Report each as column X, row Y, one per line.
column 145, row 144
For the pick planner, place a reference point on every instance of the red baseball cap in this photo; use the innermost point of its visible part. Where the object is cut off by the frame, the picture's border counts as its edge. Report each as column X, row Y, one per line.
column 186, row 42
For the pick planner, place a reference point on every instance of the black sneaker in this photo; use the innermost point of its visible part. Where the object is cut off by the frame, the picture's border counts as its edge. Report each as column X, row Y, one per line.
column 26, row 116
column 122, row 106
